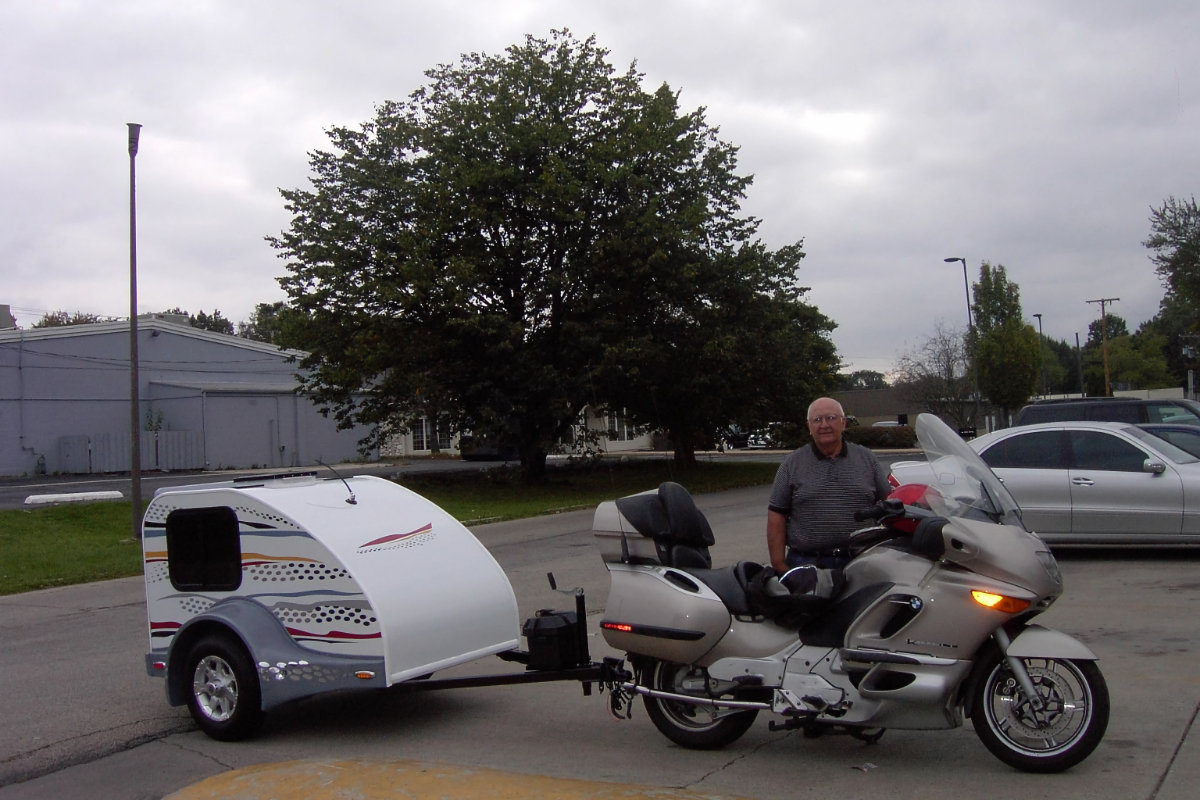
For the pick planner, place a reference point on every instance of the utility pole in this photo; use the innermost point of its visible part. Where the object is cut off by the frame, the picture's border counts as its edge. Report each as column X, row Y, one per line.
column 1104, row 338
column 135, row 416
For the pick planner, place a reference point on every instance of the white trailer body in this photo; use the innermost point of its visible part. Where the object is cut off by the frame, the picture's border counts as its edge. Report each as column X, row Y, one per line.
column 321, row 592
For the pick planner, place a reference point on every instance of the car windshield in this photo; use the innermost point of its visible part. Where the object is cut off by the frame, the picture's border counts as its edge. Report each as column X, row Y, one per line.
column 965, row 486
column 1176, row 454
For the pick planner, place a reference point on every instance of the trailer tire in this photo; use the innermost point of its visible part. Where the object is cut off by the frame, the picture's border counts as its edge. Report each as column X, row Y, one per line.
column 223, row 693
column 693, row 726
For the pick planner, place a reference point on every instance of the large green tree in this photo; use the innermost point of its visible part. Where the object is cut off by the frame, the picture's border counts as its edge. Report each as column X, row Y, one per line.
column 480, row 252
column 1006, row 350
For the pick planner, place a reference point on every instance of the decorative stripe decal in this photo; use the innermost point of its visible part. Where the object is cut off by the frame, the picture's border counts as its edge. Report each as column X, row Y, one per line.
column 395, row 537
column 333, row 635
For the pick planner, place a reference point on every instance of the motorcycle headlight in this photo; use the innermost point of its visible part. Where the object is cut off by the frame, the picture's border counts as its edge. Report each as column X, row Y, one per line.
column 1050, row 565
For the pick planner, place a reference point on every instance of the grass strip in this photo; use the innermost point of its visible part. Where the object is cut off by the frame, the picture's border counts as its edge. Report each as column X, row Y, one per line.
column 80, row 543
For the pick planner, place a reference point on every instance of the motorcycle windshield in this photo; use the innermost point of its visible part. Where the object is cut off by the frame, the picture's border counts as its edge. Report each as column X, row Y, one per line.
column 963, row 485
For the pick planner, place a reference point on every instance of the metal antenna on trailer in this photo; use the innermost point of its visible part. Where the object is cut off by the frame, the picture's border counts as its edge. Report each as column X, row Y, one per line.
column 351, row 499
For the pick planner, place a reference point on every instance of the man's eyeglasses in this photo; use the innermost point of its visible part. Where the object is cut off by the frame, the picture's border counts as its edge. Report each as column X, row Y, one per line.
column 830, row 418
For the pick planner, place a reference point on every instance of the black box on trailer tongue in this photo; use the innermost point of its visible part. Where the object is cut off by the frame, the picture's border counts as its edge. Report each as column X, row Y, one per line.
column 553, row 638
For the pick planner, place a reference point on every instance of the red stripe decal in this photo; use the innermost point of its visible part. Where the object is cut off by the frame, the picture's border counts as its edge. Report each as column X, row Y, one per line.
column 395, row 537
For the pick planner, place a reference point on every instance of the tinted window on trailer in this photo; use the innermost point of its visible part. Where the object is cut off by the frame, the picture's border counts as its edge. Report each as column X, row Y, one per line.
column 1038, row 450
column 204, row 550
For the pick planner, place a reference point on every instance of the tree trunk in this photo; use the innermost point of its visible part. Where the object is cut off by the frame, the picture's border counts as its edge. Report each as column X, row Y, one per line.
column 685, row 452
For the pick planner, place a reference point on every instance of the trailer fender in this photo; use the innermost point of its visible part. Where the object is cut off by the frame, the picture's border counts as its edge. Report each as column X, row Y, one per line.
column 286, row 670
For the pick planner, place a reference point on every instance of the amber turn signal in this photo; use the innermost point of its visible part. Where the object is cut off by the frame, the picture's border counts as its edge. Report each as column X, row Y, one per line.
column 1009, row 605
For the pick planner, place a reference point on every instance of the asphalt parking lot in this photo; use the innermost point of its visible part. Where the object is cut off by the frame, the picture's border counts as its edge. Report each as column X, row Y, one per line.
column 82, row 718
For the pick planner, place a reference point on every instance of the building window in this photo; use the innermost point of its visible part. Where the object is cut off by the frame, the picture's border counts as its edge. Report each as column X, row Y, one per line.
column 424, row 434
column 204, row 549
column 619, row 428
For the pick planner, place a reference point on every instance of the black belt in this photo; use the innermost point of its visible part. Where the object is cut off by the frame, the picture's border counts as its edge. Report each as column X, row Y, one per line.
column 835, row 553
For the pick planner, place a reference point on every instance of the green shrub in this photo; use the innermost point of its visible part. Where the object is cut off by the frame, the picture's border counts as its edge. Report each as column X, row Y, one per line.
column 791, row 435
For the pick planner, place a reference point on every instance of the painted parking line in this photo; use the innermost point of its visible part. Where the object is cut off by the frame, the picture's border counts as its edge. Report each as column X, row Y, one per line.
column 412, row 780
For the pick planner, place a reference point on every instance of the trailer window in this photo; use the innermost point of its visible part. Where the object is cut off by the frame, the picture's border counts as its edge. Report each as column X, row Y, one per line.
column 204, row 549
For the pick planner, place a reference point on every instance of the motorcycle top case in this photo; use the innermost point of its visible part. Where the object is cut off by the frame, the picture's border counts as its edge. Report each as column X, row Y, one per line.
column 553, row 638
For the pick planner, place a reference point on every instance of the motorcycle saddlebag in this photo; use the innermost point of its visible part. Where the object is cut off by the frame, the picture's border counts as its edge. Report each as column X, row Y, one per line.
column 553, row 638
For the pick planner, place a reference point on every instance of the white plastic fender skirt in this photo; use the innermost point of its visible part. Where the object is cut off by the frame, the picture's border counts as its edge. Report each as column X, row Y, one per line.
column 1039, row 642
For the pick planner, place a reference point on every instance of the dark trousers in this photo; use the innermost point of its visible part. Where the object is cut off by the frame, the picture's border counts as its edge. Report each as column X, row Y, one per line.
column 796, row 559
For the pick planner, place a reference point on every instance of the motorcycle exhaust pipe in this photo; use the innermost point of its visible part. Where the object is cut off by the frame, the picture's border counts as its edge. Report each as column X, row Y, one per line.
column 695, row 701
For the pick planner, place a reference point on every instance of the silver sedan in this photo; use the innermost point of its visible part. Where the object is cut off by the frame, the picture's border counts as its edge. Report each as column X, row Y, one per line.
column 1090, row 482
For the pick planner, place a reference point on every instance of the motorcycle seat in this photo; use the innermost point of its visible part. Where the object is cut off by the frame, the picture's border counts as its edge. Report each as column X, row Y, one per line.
column 729, row 584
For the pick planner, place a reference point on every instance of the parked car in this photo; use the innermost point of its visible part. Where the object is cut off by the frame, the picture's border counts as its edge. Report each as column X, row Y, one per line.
column 1185, row 437
column 887, row 423
column 1088, row 482
column 1110, row 409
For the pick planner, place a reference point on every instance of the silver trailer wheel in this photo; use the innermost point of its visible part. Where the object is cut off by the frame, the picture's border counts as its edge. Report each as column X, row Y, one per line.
column 1065, row 731
column 225, row 698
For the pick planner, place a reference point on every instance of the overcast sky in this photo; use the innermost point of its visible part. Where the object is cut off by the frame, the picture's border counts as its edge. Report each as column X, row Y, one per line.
column 887, row 136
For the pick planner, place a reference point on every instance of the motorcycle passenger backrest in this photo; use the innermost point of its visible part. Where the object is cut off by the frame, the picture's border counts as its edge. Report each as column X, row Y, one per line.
column 680, row 532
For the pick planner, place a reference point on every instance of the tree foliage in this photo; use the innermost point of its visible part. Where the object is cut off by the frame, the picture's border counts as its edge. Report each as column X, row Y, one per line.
column 1175, row 240
column 862, row 379
column 1134, row 362
column 1110, row 327
column 1007, row 352
column 58, row 319
column 746, row 351
column 265, row 323
column 935, row 377
column 485, row 252
column 214, row 322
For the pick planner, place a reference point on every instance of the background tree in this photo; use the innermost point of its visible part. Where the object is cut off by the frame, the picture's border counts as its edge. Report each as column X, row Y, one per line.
column 862, row 379
column 935, row 378
column 748, row 350
column 1176, row 322
column 1175, row 240
column 494, row 241
column 214, row 322
column 1007, row 351
column 265, row 323
column 57, row 319
column 1134, row 362
column 1116, row 327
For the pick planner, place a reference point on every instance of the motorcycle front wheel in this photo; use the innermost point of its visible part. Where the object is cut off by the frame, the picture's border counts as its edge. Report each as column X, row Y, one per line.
column 693, row 726
column 1065, row 731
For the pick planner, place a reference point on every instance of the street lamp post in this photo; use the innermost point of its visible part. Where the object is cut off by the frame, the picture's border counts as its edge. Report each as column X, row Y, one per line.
column 970, row 336
column 1042, row 353
column 135, row 417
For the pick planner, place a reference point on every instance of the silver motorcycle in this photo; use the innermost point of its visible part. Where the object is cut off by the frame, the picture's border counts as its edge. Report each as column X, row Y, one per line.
column 932, row 621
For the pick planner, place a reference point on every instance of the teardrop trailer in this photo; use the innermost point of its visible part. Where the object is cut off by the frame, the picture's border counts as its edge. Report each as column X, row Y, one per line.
column 266, row 590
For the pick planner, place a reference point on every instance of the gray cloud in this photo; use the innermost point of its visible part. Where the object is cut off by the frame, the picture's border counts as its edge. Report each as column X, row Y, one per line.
column 887, row 136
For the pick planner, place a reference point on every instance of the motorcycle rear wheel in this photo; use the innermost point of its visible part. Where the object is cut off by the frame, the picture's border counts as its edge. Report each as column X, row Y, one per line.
column 1064, row 733
column 692, row 726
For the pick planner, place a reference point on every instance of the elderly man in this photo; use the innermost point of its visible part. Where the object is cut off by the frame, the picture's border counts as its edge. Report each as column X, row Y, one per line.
column 810, row 515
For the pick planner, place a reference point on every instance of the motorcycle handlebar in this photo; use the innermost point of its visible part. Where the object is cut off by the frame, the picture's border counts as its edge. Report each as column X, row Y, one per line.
column 887, row 508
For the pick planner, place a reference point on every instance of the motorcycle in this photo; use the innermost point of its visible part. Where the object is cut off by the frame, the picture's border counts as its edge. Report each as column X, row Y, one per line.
column 931, row 622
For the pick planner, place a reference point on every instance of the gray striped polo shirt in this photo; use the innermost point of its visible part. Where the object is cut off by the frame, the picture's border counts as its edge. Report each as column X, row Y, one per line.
column 819, row 495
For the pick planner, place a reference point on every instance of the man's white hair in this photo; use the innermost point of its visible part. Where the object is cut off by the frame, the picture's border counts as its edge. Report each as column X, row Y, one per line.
column 841, row 411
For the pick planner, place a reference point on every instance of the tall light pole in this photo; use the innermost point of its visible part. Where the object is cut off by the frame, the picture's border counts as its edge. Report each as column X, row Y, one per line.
column 970, row 336
column 135, row 417
column 1042, row 353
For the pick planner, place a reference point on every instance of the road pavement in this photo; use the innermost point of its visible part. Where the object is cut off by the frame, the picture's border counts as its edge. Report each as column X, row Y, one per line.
column 82, row 718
